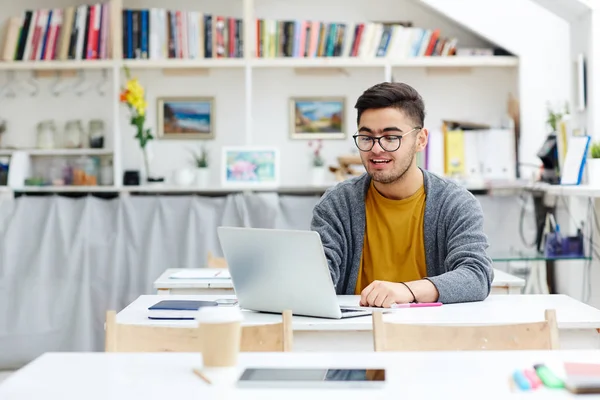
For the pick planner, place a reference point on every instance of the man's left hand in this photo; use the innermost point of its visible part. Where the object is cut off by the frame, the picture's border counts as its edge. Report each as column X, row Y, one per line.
column 384, row 294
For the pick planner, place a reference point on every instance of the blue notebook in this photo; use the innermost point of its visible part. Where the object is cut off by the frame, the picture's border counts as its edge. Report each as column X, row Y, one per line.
column 178, row 309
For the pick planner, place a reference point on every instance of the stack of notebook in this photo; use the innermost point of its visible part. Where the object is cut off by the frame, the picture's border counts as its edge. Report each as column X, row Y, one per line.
column 178, row 309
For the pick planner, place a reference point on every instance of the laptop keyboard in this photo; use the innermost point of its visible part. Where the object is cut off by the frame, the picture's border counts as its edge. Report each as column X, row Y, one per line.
column 351, row 310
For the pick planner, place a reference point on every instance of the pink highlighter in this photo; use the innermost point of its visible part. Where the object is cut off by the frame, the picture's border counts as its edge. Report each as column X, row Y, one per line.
column 415, row 305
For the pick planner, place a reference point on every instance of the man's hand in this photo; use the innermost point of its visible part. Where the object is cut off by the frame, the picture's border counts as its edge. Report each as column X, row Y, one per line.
column 384, row 294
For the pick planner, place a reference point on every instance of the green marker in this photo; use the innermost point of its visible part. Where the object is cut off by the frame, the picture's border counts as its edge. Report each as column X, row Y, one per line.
column 548, row 378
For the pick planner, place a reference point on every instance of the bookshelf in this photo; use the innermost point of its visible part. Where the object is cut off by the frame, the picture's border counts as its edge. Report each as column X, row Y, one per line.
column 59, row 152
column 421, row 62
column 249, row 61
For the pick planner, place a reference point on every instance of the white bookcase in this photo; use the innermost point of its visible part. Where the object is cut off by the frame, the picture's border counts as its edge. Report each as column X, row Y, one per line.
column 248, row 64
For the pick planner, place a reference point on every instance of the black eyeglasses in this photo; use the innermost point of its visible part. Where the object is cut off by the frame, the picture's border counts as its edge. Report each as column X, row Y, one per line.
column 389, row 143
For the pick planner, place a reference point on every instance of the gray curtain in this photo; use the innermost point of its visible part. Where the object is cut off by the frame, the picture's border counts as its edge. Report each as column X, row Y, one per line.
column 65, row 261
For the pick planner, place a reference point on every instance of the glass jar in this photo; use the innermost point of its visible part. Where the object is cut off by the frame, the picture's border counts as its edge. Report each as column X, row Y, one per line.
column 46, row 135
column 96, row 134
column 74, row 135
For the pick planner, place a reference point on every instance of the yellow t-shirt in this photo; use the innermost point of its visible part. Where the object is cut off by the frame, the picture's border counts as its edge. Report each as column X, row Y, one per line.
column 393, row 248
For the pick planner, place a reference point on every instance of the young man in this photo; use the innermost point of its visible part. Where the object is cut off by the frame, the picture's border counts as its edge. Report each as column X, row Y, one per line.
column 399, row 234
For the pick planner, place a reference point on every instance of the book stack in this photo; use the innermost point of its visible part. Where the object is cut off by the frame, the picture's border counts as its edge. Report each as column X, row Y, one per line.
column 165, row 34
column 365, row 40
column 73, row 33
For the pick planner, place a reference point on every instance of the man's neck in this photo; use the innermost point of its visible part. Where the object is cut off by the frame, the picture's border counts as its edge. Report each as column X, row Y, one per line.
column 404, row 187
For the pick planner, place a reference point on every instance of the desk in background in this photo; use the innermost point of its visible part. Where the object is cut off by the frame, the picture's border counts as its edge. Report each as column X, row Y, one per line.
column 578, row 323
column 503, row 283
column 414, row 375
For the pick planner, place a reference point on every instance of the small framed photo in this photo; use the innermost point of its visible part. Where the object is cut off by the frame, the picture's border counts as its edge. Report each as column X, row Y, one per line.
column 318, row 117
column 249, row 166
column 186, row 118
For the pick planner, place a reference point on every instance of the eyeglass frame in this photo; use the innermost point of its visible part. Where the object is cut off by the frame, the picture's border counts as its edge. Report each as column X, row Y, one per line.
column 378, row 140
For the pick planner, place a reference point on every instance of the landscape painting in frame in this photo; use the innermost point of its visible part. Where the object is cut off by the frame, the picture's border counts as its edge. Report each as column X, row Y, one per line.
column 317, row 118
column 250, row 166
column 186, row 118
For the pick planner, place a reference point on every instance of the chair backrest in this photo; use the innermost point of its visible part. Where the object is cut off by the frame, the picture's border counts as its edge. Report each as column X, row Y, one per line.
column 215, row 262
column 389, row 336
column 138, row 338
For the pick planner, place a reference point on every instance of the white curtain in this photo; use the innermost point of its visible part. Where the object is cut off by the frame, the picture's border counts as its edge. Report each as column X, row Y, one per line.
column 65, row 261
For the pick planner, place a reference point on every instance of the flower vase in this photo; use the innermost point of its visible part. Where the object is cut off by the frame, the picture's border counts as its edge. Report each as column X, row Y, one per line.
column 202, row 177
column 318, row 176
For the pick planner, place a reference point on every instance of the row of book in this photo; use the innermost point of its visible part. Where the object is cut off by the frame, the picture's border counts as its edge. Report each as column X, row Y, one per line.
column 72, row 33
column 364, row 40
column 172, row 34
column 82, row 33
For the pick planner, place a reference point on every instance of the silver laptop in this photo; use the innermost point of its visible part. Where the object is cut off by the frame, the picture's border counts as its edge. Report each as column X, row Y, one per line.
column 273, row 270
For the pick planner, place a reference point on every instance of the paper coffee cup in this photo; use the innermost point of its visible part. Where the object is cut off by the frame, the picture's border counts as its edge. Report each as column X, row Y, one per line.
column 221, row 334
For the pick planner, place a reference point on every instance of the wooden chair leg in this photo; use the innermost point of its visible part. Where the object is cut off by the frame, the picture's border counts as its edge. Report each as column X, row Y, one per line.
column 110, row 342
column 288, row 330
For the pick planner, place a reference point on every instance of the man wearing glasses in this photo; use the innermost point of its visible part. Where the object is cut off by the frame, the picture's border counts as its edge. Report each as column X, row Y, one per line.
column 399, row 234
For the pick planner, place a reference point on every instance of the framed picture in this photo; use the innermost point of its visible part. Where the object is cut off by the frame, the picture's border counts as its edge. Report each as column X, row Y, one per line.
column 186, row 118
column 250, row 166
column 318, row 118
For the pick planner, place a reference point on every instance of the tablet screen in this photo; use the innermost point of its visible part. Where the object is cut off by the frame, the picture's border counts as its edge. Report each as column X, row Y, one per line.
column 312, row 375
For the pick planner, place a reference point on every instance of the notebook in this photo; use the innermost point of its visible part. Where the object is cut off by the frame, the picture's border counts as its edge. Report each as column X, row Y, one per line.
column 201, row 273
column 582, row 377
column 178, row 309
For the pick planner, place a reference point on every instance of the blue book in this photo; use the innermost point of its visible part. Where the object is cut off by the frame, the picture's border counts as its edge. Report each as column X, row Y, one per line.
column 45, row 34
column 144, row 29
column 129, row 34
column 178, row 309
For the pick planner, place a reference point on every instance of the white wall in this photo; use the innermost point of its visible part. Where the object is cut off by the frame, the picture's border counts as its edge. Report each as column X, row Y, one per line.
column 544, row 57
column 479, row 95
column 581, row 43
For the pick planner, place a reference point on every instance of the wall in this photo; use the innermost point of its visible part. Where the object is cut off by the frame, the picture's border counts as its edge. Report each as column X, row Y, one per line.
column 581, row 42
column 544, row 64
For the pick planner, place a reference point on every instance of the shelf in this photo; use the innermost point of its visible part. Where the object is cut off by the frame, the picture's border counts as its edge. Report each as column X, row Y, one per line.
column 185, row 64
column 55, row 65
column 456, row 61
column 66, row 189
column 59, row 152
column 355, row 62
column 166, row 188
column 290, row 62
column 532, row 255
column 579, row 190
column 320, row 62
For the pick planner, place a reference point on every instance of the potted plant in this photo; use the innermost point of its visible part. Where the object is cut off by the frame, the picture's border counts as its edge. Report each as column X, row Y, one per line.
column 318, row 162
column 133, row 96
column 554, row 117
column 593, row 165
column 201, row 164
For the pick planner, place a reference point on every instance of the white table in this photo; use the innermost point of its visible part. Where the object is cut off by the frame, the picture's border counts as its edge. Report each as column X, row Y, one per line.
column 577, row 321
column 504, row 283
column 166, row 285
column 413, row 375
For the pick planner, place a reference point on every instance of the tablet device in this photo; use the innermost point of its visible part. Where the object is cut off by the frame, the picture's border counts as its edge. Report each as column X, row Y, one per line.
column 311, row 378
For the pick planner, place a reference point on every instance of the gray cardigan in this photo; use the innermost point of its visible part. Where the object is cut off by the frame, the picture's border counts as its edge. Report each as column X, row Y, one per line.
column 455, row 244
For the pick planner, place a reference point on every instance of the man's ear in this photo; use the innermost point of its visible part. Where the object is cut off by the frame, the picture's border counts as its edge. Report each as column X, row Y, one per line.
column 422, row 139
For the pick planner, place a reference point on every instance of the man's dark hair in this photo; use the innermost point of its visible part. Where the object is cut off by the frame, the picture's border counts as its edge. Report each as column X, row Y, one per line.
column 396, row 95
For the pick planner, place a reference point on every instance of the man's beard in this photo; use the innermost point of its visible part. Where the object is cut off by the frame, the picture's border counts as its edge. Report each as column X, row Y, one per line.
column 388, row 177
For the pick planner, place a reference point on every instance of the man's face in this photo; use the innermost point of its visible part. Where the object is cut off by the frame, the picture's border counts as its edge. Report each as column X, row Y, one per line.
column 389, row 166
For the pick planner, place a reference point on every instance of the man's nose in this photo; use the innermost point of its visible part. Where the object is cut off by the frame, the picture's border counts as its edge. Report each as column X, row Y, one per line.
column 377, row 149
